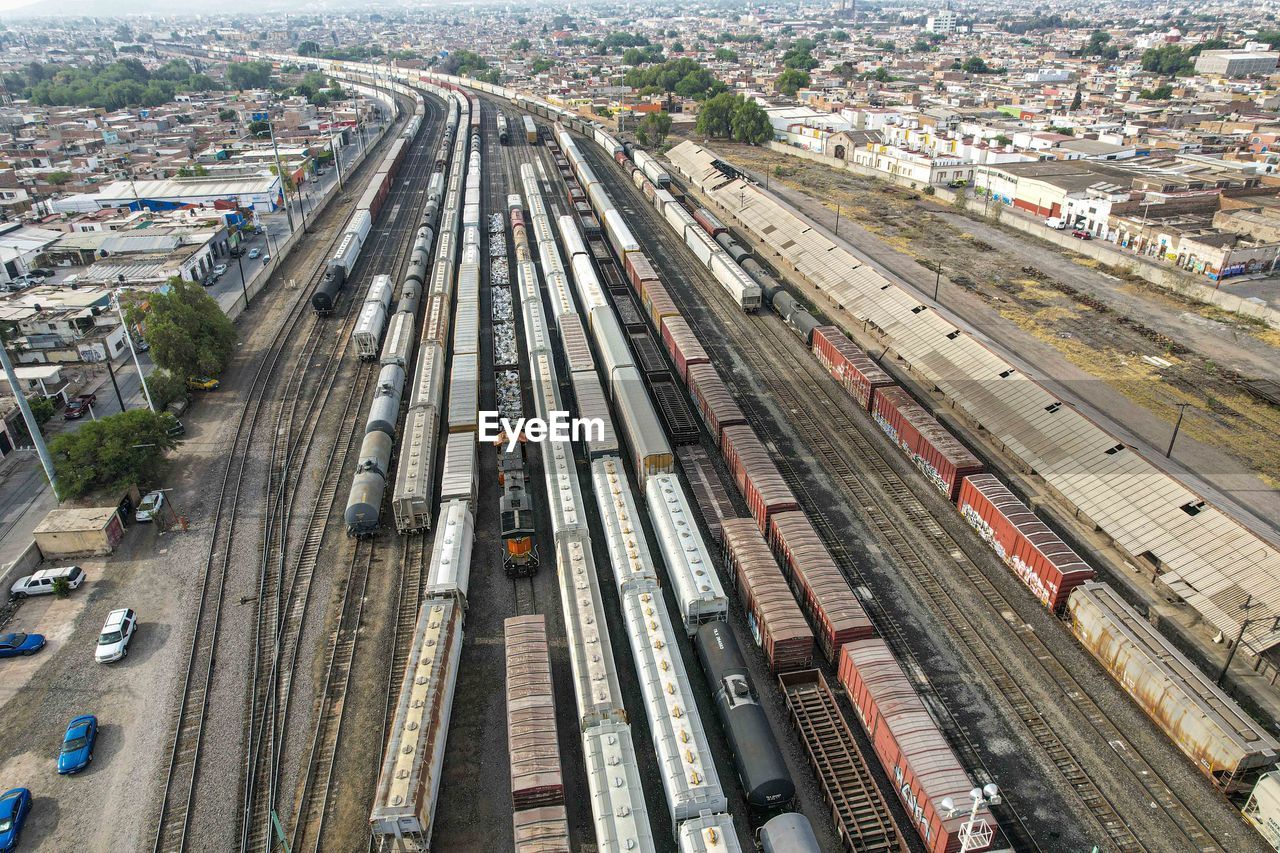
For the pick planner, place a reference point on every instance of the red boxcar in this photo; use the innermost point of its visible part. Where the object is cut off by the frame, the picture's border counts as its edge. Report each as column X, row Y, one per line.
column 708, row 221
column 620, row 157
column 683, row 344
column 757, row 477
column 1046, row 564
column 856, row 371
column 517, row 219
column 921, row 765
column 776, row 623
column 658, row 303
column 938, row 453
column 714, row 400
column 639, row 271
column 819, row 585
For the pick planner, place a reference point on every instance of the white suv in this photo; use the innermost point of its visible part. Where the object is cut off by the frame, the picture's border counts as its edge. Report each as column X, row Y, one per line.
column 113, row 642
column 41, row 583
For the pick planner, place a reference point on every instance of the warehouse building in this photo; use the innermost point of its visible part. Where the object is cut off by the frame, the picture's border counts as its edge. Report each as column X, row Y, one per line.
column 1236, row 63
column 259, row 192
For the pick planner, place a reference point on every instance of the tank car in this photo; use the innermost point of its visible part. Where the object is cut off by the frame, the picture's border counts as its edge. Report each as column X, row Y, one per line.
column 756, row 757
column 788, row 833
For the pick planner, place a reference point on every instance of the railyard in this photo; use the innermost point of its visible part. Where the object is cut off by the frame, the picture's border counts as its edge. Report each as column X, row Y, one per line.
column 300, row 682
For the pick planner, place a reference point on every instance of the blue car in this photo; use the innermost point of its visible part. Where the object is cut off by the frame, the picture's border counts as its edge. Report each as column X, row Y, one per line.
column 77, row 746
column 15, row 805
column 12, row 645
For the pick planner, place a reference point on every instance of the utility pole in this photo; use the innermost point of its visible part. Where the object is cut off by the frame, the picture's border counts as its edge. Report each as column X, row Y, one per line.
column 32, row 427
column 111, row 371
column 271, row 128
column 136, row 363
column 937, row 280
column 244, row 287
column 1182, row 408
column 837, row 229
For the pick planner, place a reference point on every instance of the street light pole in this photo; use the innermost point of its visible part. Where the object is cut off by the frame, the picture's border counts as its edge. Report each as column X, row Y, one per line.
column 32, row 427
column 136, row 363
column 937, row 281
column 271, row 128
column 1182, row 408
column 244, row 287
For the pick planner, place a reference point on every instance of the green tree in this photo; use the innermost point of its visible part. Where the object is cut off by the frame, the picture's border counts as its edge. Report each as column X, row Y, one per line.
column 521, row 45
column 113, row 452
column 751, row 123
column 975, row 65
column 58, row 178
column 1077, row 100
column 540, row 65
column 1159, row 93
column 791, row 81
column 226, row 115
column 1002, row 140
column 188, row 333
column 249, row 75
column 166, row 388
column 653, row 128
column 1100, row 46
column 42, row 409
column 715, row 119
column 1168, row 60
column 308, row 48
column 724, row 54
column 259, row 127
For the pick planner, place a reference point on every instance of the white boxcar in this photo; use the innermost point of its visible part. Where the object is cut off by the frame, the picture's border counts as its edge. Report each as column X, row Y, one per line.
column 449, row 571
column 699, row 243
column 607, row 142
column 527, row 281
column 661, row 199
column 713, row 833
column 617, row 793
column 600, row 201
column 536, row 333
column 740, row 286
column 404, row 805
column 592, row 403
column 368, row 330
column 428, row 375
column 466, row 328
column 573, row 244
column 561, row 293
column 588, row 283
column 611, row 343
column 411, row 499
column 360, row 224
column 620, row 236
column 633, row 565
column 470, row 214
column 684, row 757
column 650, row 452
column 690, row 564
column 398, row 347
column 464, row 392
column 595, row 676
column 678, row 218
column 459, row 474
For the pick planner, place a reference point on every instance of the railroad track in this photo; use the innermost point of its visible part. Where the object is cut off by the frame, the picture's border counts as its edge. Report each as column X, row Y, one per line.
column 286, row 616
column 173, row 821
column 844, row 448
column 413, row 581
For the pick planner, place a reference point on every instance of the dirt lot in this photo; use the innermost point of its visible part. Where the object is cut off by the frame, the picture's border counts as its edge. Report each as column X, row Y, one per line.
column 1101, row 334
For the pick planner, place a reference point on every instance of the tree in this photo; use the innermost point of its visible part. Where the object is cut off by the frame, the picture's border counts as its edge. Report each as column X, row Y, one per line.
column 41, row 409
column 540, row 65
column 751, row 123
column 1168, row 60
column 166, row 388
column 653, row 128
column 716, row 116
column 113, row 453
column 1100, row 46
column 188, row 333
column 308, row 48
column 975, row 65
column 259, row 127
column 1077, row 100
column 226, row 115
column 1002, row 140
column 1159, row 93
column 724, row 54
column 249, row 75
column 521, row 45
column 58, row 178
column 791, row 81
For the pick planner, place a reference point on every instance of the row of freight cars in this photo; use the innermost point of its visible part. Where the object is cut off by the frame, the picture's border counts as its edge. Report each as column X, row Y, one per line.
column 342, row 263
column 403, row 813
column 528, row 130
column 1223, row 742
column 373, row 471
column 697, row 804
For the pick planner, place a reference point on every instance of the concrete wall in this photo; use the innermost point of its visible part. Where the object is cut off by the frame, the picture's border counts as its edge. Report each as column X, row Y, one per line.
column 1161, row 275
column 27, row 562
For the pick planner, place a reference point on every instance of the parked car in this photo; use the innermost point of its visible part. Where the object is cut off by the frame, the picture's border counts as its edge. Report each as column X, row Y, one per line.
column 141, row 345
column 12, row 645
column 1081, row 234
column 41, row 272
column 202, row 383
column 79, row 407
column 1057, row 223
column 254, row 253
column 955, row 185
column 176, row 428
column 150, row 507
column 77, row 745
column 15, row 805
column 117, row 631
column 42, row 582
column 218, row 271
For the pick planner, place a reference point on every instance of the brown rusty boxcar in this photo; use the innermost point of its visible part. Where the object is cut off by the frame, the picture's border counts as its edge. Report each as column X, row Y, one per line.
column 683, row 345
column 1046, row 564
column 820, row 587
column 714, row 400
column 757, row 476
column 936, row 452
column 1207, row 725
column 531, row 716
column 544, row 830
column 921, row 765
column 639, row 271
column 658, row 303
column 577, row 351
column 856, row 371
column 776, row 623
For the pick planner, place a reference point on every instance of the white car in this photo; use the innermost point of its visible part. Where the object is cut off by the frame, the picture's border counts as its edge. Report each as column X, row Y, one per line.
column 113, row 642
column 254, row 253
column 150, row 507
column 219, row 270
column 42, row 582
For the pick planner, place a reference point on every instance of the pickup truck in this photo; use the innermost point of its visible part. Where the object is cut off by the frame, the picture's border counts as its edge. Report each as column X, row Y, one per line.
column 79, row 407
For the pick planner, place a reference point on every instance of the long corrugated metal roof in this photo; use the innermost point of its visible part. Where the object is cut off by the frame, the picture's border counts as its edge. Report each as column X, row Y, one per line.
column 1205, row 556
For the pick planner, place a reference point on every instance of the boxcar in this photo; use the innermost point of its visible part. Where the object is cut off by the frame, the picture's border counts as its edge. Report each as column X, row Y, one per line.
column 775, row 620
column 938, row 453
column 856, row 371
column 758, row 478
column 714, row 401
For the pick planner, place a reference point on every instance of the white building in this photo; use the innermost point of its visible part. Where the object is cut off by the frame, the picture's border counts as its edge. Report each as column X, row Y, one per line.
column 943, row 21
column 917, row 166
column 1236, row 63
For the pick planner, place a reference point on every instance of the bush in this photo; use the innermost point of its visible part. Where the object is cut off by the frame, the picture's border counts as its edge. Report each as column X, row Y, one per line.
column 166, row 388
column 112, row 452
column 42, row 408
column 61, row 588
